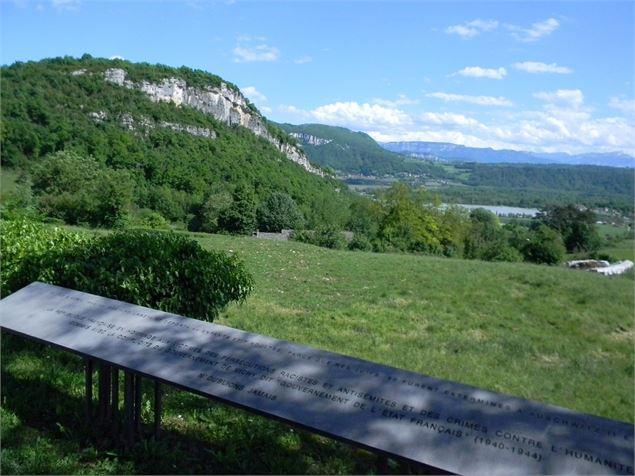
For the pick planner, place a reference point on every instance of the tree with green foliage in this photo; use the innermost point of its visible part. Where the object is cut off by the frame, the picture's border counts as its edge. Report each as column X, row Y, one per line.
column 279, row 211
column 78, row 189
column 545, row 246
column 365, row 216
column 455, row 225
column 328, row 211
column 484, row 231
column 410, row 222
column 487, row 240
column 206, row 216
column 575, row 224
column 240, row 217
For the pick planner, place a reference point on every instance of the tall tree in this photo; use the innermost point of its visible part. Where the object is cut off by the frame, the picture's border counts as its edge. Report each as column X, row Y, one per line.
column 240, row 216
column 575, row 224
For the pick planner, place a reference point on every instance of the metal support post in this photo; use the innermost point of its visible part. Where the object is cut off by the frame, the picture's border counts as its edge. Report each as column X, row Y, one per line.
column 114, row 399
column 128, row 402
column 157, row 410
column 137, row 403
column 88, row 372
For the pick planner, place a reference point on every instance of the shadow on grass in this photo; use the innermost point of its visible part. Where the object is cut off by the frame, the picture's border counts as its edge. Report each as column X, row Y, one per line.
column 203, row 438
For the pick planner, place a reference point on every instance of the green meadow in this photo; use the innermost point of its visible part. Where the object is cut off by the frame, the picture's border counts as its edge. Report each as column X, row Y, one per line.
column 549, row 334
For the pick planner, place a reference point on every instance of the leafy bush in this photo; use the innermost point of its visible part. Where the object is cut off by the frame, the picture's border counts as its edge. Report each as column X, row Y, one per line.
column 360, row 243
column 159, row 270
column 326, row 237
column 501, row 251
column 544, row 246
column 151, row 219
column 279, row 211
column 25, row 247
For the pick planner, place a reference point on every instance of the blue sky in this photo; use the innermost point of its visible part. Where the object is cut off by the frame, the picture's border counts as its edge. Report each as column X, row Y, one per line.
column 541, row 76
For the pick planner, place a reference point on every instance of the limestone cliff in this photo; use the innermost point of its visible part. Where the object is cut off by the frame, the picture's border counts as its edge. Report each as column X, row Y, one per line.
column 223, row 103
column 309, row 139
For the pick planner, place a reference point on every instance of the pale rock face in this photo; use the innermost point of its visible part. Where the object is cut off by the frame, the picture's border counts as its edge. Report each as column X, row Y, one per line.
column 115, row 75
column 143, row 122
column 305, row 138
column 223, row 103
column 192, row 130
column 99, row 116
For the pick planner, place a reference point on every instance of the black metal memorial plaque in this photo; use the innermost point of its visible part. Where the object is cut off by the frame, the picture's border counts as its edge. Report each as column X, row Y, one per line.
column 443, row 424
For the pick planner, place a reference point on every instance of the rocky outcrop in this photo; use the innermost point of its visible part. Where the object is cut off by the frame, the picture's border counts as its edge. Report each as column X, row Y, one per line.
column 192, row 130
column 223, row 103
column 309, row 139
column 129, row 122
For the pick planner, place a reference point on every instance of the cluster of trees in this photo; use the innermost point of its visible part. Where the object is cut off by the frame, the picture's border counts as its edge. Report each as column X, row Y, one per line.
column 403, row 219
column 79, row 190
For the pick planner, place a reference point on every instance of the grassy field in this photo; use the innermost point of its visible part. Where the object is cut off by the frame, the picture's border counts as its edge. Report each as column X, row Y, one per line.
column 549, row 334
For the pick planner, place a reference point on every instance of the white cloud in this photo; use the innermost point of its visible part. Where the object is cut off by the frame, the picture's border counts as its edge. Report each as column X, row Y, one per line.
column 479, row 100
column 257, row 53
column 447, row 119
column 117, row 57
column 572, row 98
column 537, row 67
column 303, row 59
column 353, row 114
column 536, row 31
column 627, row 106
column 294, row 111
column 472, row 28
column 478, row 72
column 255, row 96
column 402, row 100
column 254, row 48
column 66, row 4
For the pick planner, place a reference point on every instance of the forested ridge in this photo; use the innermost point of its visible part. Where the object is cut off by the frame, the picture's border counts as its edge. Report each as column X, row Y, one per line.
column 352, row 152
column 582, row 178
column 64, row 104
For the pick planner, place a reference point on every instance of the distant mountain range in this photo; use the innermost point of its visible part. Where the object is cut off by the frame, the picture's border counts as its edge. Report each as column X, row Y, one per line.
column 460, row 153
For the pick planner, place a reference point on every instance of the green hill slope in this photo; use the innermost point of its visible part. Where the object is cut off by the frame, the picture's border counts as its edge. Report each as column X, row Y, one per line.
column 350, row 152
column 178, row 154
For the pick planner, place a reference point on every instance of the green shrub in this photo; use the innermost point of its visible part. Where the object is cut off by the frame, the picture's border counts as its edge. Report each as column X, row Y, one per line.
column 326, row 237
column 545, row 246
column 279, row 211
column 501, row 251
column 151, row 219
column 160, row 270
column 360, row 243
column 25, row 247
